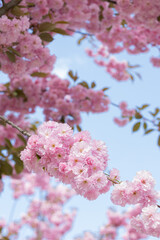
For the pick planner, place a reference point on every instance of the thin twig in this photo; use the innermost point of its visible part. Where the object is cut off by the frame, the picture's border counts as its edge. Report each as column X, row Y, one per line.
column 112, row 180
column 144, row 118
column 15, row 126
column 115, row 181
column 75, row 31
column 12, row 212
column 8, row 6
column 115, row 105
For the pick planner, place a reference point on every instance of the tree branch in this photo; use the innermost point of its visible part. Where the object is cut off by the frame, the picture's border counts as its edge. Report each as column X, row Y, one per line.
column 15, row 126
column 144, row 118
column 8, row 6
column 115, row 181
column 75, row 31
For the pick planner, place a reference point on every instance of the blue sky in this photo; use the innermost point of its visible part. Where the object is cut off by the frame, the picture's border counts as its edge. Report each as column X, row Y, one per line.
column 129, row 152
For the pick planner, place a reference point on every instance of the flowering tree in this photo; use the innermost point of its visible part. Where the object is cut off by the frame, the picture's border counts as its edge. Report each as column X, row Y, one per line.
column 58, row 147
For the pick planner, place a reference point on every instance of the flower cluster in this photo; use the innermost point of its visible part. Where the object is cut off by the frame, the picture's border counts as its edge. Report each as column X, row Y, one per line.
column 140, row 190
column 145, row 220
column 126, row 113
column 117, row 69
column 12, row 30
column 56, row 223
column 45, row 215
column 155, row 61
column 116, row 220
column 148, row 221
column 77, row 160
column 57, row 98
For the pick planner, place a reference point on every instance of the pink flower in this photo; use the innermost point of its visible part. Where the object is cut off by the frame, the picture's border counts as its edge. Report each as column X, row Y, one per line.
column 120, row 122
column 77, row 160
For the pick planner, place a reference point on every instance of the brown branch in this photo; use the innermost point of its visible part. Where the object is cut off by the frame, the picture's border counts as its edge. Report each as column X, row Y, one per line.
column 5, row 120
column 8, row 6
column 113, row 181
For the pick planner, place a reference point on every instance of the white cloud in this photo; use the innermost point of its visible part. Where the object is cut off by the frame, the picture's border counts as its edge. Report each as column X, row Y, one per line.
column 62, row 67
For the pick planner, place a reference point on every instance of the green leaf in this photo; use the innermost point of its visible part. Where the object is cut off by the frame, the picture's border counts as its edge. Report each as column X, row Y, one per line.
column 19, row 149
column 158, row 18
column 111, row 5
column 19, row 94
column 29, row 4
column 81, row 39
column 138, row 115
column 6, row 168
column 5, row 238
column 39, row 74
column 7, row 85
column 33, row 128
column 2, row 123
column 159, row 141
column 78, row 128
column 14, row 51
column 105, row 89
column 19, row 167
column 84, row 84
column 101, row 13
column 60, row 31
column 143, row 107
column 149, row 131
column 62, row 120
column 46, row 37
column 16, row 157
column 46, row 26
column 38, row 157
column 11, row 56
column 109, row 1
column 136, row 126
column 131, row 77
column 93, row 84
column 73, row 76
column 155, row 113
column 2, row 147
column 22, row 138
column 17, row 11
column 61, row 22
column 145, row 125
column 109, row 28
column 8, row 142
column 123, row 23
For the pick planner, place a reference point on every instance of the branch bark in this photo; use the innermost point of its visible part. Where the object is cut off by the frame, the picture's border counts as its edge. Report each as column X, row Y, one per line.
column 8, row 6
column 5, row 120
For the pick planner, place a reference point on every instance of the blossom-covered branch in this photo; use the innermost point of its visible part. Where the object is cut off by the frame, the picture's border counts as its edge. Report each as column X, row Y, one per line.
column 5, row 120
